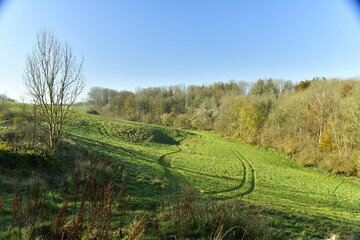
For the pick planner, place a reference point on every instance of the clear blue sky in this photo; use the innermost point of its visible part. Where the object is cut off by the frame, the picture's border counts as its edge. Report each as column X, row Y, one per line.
column 142, row 43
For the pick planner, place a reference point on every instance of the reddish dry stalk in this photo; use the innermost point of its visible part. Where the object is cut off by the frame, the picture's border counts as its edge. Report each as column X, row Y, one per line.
column 60, row 219
column 34, row 205
column 76, row 185
column 2, row 201
column 93, row 217
column 187, row 207
column 95, row 208
column 187, row 198
column 31, row 214
column 121, row 200
column 78, row 223
column 157, row 228
column 106, row 211
column 17, row 211
column 218, row 233
column 16, row 204
column 94, row 190
column 216, row 223
column 124, row 207
column 81, row 213
column 183, row 214
column 45, row 214
column 107, row 201
column 122, row 186
column 138, row 229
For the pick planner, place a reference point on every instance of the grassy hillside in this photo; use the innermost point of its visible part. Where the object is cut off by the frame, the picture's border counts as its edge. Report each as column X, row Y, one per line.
column 191, row 184
column 295, row 199
column 138, row 147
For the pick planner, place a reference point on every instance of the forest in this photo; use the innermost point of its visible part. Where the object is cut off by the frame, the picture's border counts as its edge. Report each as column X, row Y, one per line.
column 314, row 121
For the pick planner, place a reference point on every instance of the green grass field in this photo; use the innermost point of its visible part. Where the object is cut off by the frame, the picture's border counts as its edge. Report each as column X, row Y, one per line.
column 302, row 201
column 161, row 163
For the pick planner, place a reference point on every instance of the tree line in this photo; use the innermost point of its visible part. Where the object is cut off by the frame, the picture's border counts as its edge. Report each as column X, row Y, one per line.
column 317, row 122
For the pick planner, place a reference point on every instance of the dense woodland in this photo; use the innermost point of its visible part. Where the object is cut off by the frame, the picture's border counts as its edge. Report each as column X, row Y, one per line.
column 316, row 122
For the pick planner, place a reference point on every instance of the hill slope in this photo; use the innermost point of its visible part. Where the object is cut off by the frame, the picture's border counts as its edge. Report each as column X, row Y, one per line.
column 225, row 184
column 299, row 200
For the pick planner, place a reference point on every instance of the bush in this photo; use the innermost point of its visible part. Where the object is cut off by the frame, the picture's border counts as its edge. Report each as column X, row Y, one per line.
column 25, row 159
column 94, row 112
column 182, row 120
column 132, row 133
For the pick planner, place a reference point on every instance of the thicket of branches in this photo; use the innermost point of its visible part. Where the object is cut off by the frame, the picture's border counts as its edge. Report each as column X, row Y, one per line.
column 317, row 121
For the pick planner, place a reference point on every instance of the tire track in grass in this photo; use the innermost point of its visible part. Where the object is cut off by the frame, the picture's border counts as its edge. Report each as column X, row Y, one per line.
column 242, row 182
column 248, row 175
column 174, row 179
column 252, row 174
column 164, row 161
column 245, row 174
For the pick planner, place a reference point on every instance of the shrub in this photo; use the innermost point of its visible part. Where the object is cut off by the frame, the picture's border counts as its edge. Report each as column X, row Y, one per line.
column 94, row 112
column 23, row 158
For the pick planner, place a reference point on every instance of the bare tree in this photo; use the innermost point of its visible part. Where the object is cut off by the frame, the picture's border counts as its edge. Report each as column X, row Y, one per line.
column 54, row 79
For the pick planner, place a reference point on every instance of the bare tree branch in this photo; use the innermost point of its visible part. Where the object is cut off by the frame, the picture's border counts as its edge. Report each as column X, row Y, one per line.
column 54, row 79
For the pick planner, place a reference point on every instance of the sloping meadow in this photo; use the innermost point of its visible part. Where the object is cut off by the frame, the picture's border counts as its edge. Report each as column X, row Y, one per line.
column 143, row 180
